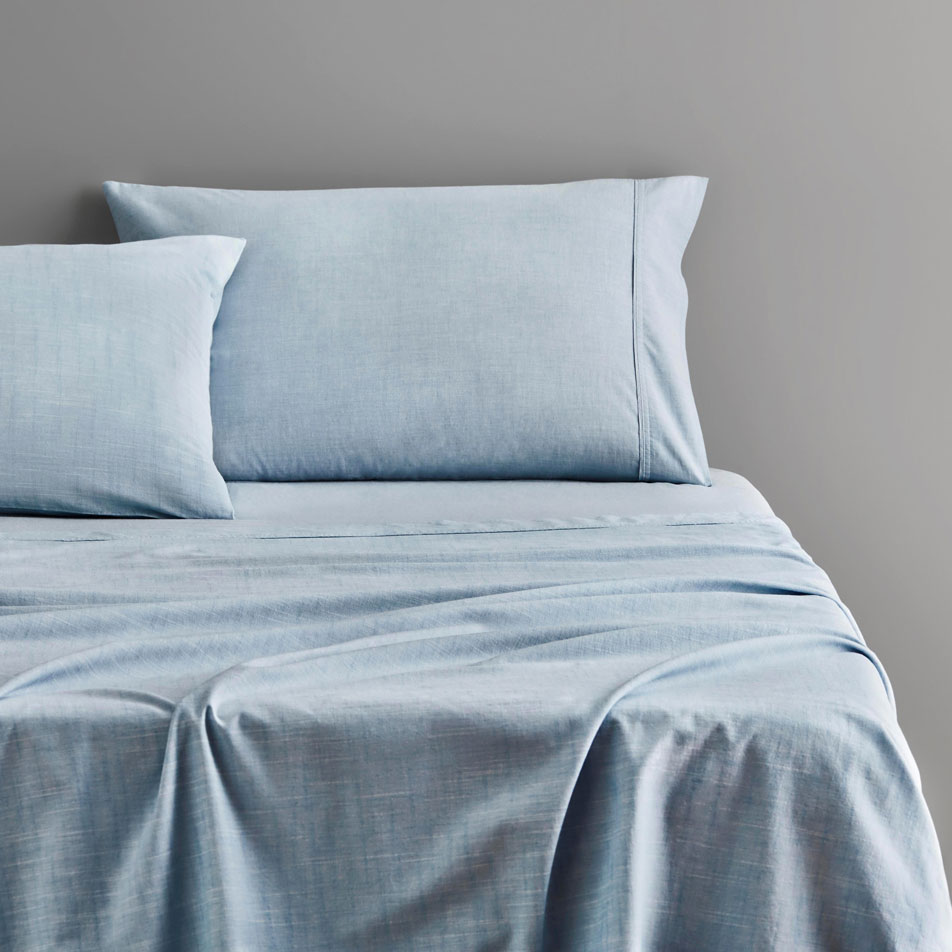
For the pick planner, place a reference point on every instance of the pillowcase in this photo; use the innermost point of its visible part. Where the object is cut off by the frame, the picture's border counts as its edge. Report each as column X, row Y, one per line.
column 104, row 377
column 487, row 332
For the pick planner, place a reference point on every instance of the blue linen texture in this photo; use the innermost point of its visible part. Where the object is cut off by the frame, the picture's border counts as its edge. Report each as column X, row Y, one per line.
column 104, row 377
column 475, row 332
column 660, row 733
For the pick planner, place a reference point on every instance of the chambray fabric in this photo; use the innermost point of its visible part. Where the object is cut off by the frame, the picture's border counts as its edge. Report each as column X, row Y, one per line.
column 104, row 377
column 363, row 502
column 443, row 333
column 660, row 734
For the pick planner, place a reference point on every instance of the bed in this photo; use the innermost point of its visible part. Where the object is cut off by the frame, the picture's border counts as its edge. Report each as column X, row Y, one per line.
column 365, row 587
column 503, row 715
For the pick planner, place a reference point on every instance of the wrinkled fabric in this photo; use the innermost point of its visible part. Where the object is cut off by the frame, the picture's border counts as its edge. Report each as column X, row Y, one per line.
column 650, row 733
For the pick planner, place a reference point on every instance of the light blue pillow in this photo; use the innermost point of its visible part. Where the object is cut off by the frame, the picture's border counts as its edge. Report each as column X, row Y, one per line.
column 487, row 332
column 104, row 377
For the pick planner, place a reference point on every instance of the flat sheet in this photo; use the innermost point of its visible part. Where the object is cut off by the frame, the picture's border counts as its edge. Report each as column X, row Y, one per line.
column 653, row 732
column 362, row 503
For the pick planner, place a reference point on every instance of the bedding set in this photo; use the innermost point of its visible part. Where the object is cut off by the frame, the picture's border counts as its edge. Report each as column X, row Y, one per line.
column 457, row 642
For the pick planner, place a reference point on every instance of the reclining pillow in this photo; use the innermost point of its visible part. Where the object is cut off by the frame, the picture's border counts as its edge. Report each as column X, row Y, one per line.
column 413, row 333
column 104, row 377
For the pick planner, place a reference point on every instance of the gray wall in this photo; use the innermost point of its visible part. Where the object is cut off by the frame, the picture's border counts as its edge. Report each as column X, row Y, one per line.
column 820, row 327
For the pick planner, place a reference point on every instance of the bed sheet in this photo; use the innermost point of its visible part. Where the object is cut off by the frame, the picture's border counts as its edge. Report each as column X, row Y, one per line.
column 659, row 732
column 353, row 503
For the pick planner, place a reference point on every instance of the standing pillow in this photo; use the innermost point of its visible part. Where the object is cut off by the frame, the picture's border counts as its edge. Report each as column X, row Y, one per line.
column 104, row 377
column 411, row 333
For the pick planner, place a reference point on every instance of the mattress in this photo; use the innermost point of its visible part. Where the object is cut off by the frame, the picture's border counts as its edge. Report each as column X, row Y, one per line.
column 366, row 717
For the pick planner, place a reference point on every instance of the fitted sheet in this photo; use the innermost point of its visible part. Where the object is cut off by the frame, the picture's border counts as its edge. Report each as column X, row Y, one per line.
column 659, row 732
column 374, row 502
column 362, row 503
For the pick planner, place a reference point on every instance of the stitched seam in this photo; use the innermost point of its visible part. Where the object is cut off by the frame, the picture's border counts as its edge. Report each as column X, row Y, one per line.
column 637, row 333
